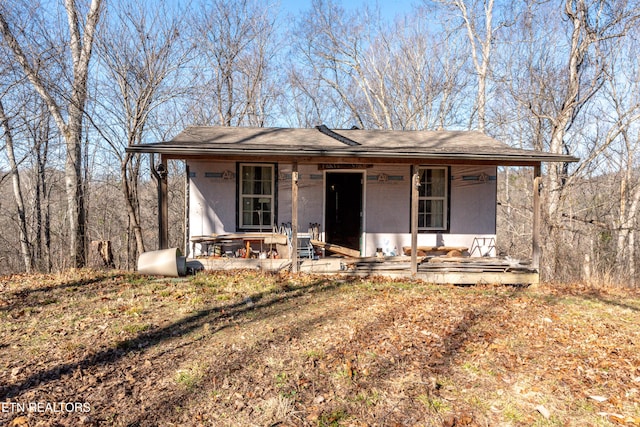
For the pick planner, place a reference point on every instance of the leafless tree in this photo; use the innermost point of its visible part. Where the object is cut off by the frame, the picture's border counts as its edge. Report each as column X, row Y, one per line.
column 478, row 22
column 68, row 117
column 622, row 109
column 235, row 41
column 401, row 75
column 25, row 244
column 592, row 25
column 141, row 52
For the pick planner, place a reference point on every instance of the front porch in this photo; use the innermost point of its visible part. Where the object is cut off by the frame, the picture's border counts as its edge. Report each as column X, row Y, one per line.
column 437, row 269
column 369, row 194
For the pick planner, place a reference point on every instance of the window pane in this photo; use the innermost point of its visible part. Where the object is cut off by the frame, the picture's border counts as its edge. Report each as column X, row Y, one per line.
column 432, row 183
column 257, row 195
column 437, row 182
column 257, row 180
column 432, row 203
column 437, row 213
column 423, row 179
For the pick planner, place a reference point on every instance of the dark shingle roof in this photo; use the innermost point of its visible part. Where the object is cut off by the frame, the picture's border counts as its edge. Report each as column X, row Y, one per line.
column 218, row 141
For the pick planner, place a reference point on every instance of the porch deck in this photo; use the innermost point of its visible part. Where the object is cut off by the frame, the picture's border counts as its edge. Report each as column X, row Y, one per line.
column 440, row 270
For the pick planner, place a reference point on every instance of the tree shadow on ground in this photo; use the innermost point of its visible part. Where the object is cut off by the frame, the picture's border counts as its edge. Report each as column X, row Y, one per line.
column 596, row 295
column 603, row 298
column 236, row 364
column 215, row 316
column 24, row 298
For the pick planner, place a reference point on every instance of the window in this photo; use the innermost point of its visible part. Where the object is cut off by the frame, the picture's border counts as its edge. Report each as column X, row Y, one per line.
column 256, row 197
column 433, row 199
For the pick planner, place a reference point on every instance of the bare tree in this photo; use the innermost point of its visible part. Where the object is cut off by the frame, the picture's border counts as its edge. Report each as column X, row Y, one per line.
column 386, row 76
column 41, row 133
column 552, row 73
column 141, row 51
column 477, row 21
column 33, row 64
column 623, row 110
column 25, row 244
column 591, row 26
column 235, row 44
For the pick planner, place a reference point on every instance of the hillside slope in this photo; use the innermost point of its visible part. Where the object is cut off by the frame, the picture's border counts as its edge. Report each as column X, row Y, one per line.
column 250, row 349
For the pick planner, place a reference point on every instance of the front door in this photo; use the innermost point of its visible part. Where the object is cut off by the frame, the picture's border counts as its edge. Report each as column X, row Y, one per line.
column 343, row 209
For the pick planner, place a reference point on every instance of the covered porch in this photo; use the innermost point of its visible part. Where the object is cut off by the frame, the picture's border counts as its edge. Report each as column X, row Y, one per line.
column 304, row 158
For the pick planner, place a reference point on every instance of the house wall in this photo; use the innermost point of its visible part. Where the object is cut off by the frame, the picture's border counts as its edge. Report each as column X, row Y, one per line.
column 213, row 203
column 386, row 205
column 472, row 210
column 310, row 195
column 212, row 199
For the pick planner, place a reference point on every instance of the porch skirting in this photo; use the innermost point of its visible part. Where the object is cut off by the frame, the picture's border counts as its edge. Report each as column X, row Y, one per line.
column 463, row 271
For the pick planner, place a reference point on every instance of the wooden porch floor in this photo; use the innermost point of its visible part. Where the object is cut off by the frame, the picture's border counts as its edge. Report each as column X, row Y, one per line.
column 441, row 270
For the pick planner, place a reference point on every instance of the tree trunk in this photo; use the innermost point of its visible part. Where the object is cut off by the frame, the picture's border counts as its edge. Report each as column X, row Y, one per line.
column 481, row 64
column 101, row 255
column 130, row 195
column 25, row 246
column 80, row 44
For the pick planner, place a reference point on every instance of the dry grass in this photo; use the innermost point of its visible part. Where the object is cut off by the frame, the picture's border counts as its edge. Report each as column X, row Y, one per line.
column 249, row 349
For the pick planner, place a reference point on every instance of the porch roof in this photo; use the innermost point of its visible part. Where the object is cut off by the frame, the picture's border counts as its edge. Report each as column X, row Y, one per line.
column 352, row 144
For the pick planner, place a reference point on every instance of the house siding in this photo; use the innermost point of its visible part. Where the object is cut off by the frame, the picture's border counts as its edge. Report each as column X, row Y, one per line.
column 472, row 209
column 386, row 218
column 212, row 198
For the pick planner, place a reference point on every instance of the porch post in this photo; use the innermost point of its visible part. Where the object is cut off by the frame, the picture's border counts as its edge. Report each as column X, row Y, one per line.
column 187, row 231
column 159, row 172
column 415, row 184
column 294, row 217
column 163, row 208
column 537, row 187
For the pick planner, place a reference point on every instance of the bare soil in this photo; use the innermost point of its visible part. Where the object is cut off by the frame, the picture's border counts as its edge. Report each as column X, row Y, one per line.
column 247, row 349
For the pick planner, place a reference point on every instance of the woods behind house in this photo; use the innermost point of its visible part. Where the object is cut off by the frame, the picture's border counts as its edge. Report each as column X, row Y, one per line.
column 81, row 81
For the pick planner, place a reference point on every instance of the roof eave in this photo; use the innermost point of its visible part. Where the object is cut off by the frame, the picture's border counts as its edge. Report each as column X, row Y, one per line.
column 174, row 151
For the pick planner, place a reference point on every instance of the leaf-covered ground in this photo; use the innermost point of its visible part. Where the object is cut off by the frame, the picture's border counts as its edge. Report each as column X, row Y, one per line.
column 245, row 349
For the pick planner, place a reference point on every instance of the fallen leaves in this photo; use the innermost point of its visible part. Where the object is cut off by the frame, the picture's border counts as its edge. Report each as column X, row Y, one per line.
column 230, row 350
column 620, row 419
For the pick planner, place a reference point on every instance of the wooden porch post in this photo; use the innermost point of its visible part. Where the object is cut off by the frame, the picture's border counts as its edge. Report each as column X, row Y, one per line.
column 187, row 231
column 163, row 207
column 294, row 217
column 537, row 186
column 415, row 184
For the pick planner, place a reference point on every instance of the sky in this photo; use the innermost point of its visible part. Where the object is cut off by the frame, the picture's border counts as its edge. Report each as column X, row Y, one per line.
column 388, row 8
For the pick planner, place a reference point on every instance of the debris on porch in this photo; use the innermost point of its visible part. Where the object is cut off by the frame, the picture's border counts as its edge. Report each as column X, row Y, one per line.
column 433, row 269
column 336, row 248
column 423, row 251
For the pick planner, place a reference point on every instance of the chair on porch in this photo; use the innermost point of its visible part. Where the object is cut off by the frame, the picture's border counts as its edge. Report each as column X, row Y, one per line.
column 305, row 248
column 485, row 246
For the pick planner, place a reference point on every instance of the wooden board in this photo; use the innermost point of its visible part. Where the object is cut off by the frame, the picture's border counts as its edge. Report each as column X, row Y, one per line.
column 337, row 249
column 433, row 250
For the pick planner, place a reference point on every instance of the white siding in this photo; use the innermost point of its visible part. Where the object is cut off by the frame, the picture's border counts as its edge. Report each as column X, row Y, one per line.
column 387, row 204
column 310, row 195
column 212, row 201
column 473, row 203
column 472, row 210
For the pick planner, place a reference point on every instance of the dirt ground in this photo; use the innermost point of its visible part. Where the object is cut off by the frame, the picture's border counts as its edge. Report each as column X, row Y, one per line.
column 248, row 349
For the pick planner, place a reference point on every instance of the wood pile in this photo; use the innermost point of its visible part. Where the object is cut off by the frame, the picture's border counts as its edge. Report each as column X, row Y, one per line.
column 422, row 251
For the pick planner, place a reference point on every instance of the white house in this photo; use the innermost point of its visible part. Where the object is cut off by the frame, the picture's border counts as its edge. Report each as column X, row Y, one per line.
column 371, row 191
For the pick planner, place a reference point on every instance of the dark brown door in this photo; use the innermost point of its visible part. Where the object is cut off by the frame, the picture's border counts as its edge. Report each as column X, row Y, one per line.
column 343, row 214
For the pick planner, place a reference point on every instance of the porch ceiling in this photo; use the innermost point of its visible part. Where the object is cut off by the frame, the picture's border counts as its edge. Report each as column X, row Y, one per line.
column 322, row 144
